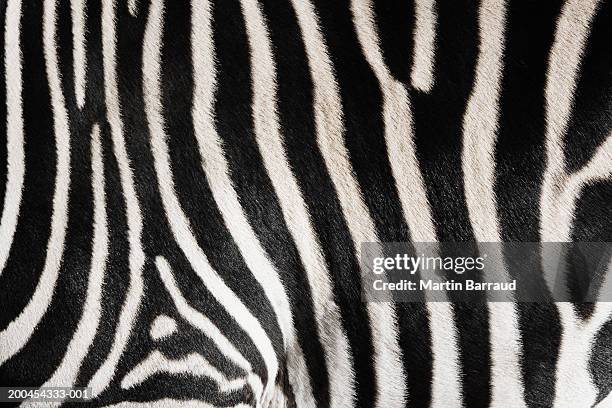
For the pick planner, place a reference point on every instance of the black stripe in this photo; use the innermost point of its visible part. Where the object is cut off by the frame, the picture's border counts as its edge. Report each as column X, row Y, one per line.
column 439, row 118
column 601, row 361
column 396, row 28
column 591, row 120
column 520, row 159
column 3, row 115
column 593, row 215
column 520, row 155
column 27, row 254
column 415, row 341
column 592, row 223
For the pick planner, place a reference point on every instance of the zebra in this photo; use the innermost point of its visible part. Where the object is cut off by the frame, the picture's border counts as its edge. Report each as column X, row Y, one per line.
column 186, row 186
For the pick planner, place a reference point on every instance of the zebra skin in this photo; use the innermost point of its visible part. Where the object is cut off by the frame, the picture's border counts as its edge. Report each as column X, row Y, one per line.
column 185, row 188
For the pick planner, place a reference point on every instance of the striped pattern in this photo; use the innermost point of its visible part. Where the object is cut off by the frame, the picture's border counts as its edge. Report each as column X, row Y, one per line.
column 186, row 187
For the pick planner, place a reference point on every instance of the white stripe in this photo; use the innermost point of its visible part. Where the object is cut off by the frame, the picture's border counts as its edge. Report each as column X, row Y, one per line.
column 191, row 365
column 162, row 327
column 480, row 124
column 478, row 162
column 204, row 324
column 296, row 215
column 106, row 372
column 446, row 377
column 19, row 331
column 65, row 375
column 14, row 129
column 505, row 339
column 422, row 75
column 133, row 7
column 79, row 55
column 574, row 386
column 599, row 167
column 560, row 192
column 178, row 221
column 280, row 398
column 564, row 64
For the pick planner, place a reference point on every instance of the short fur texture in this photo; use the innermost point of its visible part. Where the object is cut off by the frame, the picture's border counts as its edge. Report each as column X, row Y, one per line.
column 186, row 186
